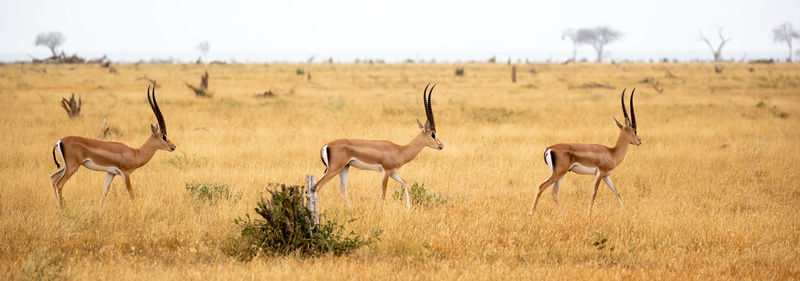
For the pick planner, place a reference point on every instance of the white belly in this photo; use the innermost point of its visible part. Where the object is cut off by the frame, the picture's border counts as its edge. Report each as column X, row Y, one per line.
column 364, row 166
column 583, row 170
column 88, row 163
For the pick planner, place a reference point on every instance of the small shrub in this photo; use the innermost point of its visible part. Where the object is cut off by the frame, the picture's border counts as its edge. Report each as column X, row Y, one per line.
column 300, row 71
column 211, row 192
column 43, row 266
column 599, row 241
column 459, row 71
column 420, row 195
column 284, row 226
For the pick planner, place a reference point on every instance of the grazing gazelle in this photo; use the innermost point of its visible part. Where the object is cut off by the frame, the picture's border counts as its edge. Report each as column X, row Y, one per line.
column 378, row 155
column 589, row 159
column 114, row 158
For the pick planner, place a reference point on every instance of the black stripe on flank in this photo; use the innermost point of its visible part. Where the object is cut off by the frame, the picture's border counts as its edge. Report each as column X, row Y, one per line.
column 323, row 160
column 328, row 152
column 54, row 156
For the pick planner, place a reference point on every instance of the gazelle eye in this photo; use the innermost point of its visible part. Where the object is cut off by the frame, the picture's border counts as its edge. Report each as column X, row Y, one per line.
column 433, row 135
column 164, row 138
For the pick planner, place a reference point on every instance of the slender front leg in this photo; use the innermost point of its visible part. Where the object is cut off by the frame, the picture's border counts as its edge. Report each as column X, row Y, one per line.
column 397, row 178
column 109, row 178
column 594, row 190
column 614, row 190
column 343, row 185
column 384, row 182
column 127, row 177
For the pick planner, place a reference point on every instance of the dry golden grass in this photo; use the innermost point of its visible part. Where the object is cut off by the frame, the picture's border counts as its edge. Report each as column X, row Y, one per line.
column 711, row 194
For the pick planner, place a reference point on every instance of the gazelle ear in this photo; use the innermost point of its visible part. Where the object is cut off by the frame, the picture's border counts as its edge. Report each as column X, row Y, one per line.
column 615, row 121
column 154, row 128
column 419, row 124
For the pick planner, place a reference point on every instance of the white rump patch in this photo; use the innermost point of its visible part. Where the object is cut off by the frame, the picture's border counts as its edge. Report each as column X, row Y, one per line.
column 324, row 154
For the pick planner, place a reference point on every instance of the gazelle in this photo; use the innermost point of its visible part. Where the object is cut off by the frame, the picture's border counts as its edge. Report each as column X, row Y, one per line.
column 378, row 155
column 589, row 159
column 114, row 158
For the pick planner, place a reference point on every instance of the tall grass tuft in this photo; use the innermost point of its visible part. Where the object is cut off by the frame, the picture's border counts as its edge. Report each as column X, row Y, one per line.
column 211, row 192
column 420, row 195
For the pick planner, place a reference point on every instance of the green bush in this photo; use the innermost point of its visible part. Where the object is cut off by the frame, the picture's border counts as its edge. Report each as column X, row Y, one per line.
column 211, row 192
column 420, row 195
column 42, row 265
column 599, row 241
column 285, row 226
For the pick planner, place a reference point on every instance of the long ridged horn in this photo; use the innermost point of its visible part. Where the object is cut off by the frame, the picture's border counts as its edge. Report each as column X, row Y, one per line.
column 624, row 112
column 429, row 109
column 425, row 105
column 633, row 115
column 156, row 110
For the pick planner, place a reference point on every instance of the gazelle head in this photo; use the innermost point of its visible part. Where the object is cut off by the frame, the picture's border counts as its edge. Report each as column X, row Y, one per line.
column 160, row 130
column 629, row 130
column 429, row 129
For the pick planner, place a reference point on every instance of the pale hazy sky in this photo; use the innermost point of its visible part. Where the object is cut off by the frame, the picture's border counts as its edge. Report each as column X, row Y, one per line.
column 373, row 27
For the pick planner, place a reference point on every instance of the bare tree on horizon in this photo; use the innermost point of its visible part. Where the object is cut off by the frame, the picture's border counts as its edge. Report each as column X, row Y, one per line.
column 785, row 33
column 597, row 37
column 603, row 35
column 579, row 37
column 717, row 52
column 204, row 47
column 51, row 40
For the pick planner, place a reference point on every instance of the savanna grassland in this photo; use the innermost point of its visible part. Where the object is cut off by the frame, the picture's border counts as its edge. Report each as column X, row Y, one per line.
column 713, row 192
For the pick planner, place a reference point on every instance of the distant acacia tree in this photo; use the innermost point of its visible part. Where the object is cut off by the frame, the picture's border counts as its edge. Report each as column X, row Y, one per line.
column 785, row 33
column 718, row 50
column 204, row 47
column 579, row 37
column 51, row 40
column 603, row 35
column 598, row 37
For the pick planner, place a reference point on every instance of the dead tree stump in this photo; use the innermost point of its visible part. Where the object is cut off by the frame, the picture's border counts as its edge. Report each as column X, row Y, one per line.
column 514, row 74
column 72, row 106
column 202, row 91
column 311, row 197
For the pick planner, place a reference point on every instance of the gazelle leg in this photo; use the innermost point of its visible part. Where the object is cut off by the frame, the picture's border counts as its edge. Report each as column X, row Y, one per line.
column 384, row 182
column 343, row 185
column 594, row 190
column 109, row 178
column 614, row 190
column 54, row 179
column 329, row 174
column 542, row 187
column 127, row 178
column 555, row 194
column 397, row 178
column 68, row 172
